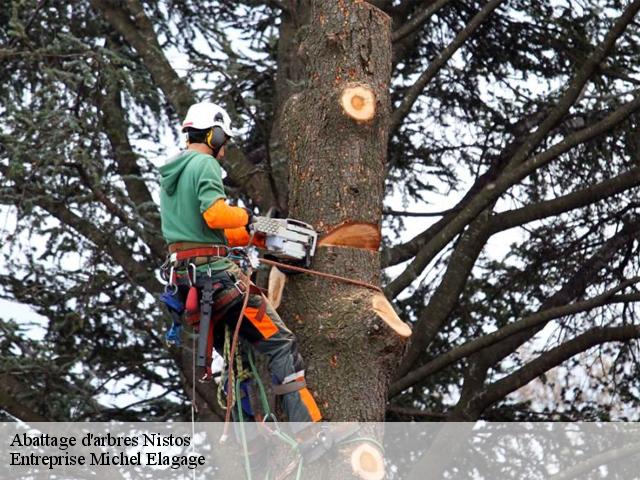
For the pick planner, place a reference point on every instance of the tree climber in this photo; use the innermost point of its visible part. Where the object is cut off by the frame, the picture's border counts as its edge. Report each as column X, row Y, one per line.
column 200, row 229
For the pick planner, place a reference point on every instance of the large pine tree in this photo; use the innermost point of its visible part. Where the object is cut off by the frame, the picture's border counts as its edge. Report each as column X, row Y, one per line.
column 516, row 119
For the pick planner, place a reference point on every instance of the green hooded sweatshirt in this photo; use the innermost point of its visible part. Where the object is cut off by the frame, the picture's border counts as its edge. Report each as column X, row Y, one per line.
column 190, row 183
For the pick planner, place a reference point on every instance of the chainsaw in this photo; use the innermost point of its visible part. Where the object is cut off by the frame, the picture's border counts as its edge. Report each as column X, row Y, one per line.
column 287, row 239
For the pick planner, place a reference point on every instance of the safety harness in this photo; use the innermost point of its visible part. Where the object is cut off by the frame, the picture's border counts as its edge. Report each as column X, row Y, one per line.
column 185, row 257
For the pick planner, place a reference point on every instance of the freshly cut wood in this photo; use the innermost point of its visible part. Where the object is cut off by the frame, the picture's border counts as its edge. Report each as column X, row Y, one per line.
column 359, row 102
column 356, row 235
column 386, row 312
column 367, row 462
column 277, row 281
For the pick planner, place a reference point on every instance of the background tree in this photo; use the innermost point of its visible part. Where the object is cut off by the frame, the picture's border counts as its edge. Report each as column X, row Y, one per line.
column 523, row 114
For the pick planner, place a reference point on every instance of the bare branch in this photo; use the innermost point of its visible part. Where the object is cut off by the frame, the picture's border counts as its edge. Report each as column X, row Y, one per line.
column 535, row 320
column 412, row 94
column 576, row 87
column 493, row 191
column 418, row 20
column 440, row 234
column 397, row 213
column 553, row 358
column 581, row 198
column 573, row 288
column 446, row 295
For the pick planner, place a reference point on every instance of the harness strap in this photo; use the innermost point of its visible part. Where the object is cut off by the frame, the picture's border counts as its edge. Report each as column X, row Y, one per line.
column 180, row 246
column 204, row 354
column 290, row 387
column 198, row 252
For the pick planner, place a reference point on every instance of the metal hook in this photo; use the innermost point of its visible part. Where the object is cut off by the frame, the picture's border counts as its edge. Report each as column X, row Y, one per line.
column 191, row 282
column 171, row 286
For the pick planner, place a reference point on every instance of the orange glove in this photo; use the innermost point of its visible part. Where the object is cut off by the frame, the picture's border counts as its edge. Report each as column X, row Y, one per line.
column 239, row 237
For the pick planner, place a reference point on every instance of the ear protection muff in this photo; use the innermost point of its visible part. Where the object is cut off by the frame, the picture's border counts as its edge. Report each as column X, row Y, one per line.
column 215, row 139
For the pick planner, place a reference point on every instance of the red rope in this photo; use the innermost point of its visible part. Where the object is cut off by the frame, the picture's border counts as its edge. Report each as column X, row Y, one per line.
column 330, row 276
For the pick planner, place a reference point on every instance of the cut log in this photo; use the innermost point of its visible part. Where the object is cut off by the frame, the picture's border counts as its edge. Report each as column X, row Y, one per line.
column 359, row 102
column 367, row 462
column 385, row 311
column 355, row 235
column 277, row 281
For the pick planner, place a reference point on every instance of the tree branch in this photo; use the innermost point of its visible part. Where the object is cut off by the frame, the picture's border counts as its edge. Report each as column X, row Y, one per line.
column 412, row 94
column 575, row 88
column 156, row 245
column 439, row 235
column 581, row 198
column 418, row 20
column 140, row 35
column 136, row 272
column 14, row 399
column 494, row 190
column 114, row 120
column 553, row 358
column 407, row 250
column 397, row 213
column 580, row 469
column 479, row 363
column 535, row 320
column 446, row 295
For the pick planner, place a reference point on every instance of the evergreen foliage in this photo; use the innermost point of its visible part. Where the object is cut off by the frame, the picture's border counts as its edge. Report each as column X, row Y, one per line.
column 91, row 92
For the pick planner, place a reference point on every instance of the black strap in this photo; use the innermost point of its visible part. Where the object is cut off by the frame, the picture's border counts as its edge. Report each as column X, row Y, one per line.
column 205, row 319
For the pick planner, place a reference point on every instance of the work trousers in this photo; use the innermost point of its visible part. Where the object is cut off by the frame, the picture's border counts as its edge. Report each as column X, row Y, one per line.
column 269, row 336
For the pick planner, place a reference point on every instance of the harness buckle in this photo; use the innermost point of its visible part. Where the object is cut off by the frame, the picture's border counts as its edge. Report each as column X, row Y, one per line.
column 240, row 286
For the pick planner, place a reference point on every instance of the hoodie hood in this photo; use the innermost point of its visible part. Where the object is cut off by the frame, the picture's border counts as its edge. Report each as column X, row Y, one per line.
column 170, row 172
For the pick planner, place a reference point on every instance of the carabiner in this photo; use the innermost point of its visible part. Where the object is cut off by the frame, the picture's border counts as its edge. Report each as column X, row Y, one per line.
column 195, row 270
column 171, row 287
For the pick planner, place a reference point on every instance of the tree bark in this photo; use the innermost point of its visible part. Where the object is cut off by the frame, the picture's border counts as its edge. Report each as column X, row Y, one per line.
column 336, row 176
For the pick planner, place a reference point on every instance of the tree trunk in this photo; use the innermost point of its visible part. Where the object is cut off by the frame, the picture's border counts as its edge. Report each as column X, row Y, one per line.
column 334, row 129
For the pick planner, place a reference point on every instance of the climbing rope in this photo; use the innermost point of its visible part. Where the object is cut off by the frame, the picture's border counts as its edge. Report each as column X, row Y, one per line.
column 234, row 344
column 234, row 382
column 337, row 278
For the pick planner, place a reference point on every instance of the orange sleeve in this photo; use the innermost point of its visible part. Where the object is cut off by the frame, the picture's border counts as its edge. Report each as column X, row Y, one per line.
column 239, row 237
column 222, row 216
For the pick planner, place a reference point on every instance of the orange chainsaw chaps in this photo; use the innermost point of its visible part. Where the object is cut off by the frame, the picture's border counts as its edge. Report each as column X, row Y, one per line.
column 264, row 325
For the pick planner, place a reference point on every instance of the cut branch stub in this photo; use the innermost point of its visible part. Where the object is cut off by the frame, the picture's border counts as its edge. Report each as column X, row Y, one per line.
column 359, row 102
column 367, row 462
column 385, row 311
column 356, row 235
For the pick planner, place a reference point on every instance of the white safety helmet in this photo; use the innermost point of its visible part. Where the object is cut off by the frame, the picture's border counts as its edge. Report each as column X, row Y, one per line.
column 204, row 115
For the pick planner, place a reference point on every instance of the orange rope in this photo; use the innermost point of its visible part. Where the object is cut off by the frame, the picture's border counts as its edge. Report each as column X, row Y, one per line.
column 330, row 276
